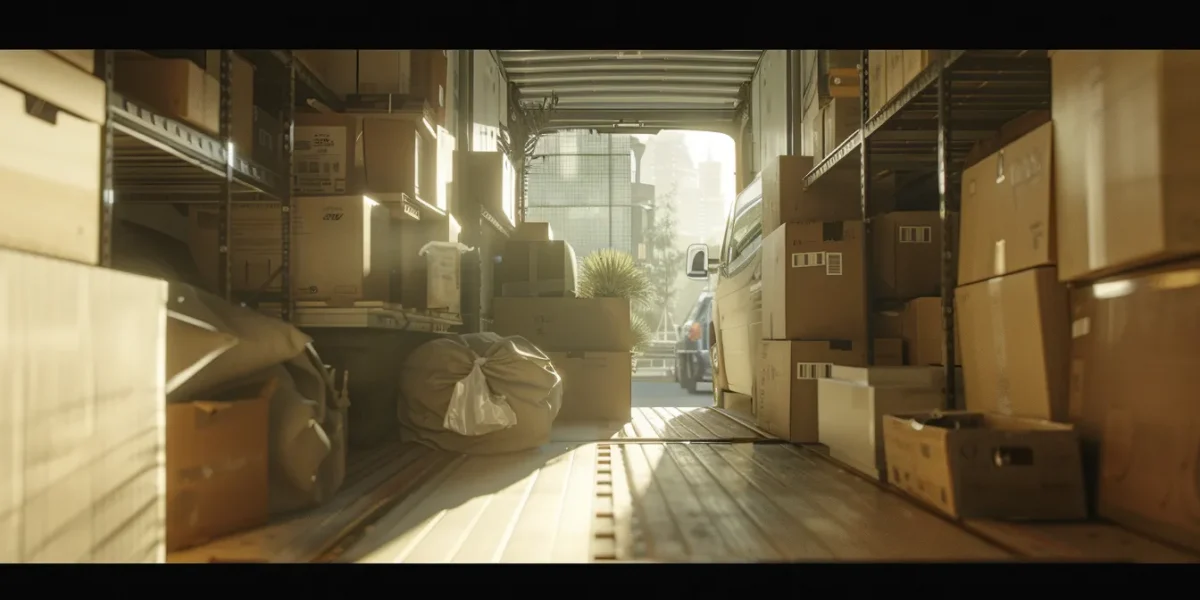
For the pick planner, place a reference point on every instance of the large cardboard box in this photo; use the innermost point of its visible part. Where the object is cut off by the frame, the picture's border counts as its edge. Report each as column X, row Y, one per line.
column 597, row 386
column 532, row 231
column 1008, row 210
column 877, row 92
column 834, row 197
column 978, row 466
column 907, row 248
column 174, row 87
column 527, row 269
column 812, row 285
column 786, row 389
column 384, row 71
column 340, row 247
column 851, row 404
column 923, row 333
column 388, row 158
column 84, row 59
column 1015, row 344
column 896, row 79
column 489, row 180
column 429, row 71
column 81, row 412
column 1134, row 394
column 241, row 98
column 1125, row 127
column 50, row 158
column 840, row 118
column 324, row 154
column 566, row 324
column 915, row 62
column 337, row 69
column 217, row 467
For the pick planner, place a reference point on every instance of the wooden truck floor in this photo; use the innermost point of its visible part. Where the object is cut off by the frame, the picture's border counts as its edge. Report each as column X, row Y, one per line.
column 673, row 485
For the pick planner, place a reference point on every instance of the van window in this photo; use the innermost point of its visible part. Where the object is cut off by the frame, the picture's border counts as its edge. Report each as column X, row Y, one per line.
column 745, row 229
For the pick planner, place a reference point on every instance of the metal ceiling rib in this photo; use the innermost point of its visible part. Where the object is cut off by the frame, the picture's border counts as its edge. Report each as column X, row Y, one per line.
column 659, row 89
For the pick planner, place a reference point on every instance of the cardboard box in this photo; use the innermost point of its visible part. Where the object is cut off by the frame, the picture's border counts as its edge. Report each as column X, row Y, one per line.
column 241, row 98
column 896, row 79
column 544, row 269
column 217, row 468
column 1008, row 211
column 81, row 412
column 337, row 69
column 1015, row 344
column 812, row 285
column 388, row 158
column 923, row 333
column 50, row 161
column 384, row 71
column 915, row 62
column 566, row 324
column 851, row 406
column 877, row 92
column 429, row 71
column 834, row 197
column 888, row 352
column 1133, row 393
column 597, row 386
column 888, row 323
column 176, row 88
column 976, row 466
column 786, row 388
column 840, row 118
column 84, row 59
column 490, row 180
column 325, row 154
column 340, row 248
column 1125, row 182
column 907, row 248
column 531, row 231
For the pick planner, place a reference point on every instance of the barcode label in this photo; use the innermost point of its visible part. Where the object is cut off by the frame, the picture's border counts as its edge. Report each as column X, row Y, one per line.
column 808, row 259
column 833, row 263
column 911, row 234
column 814, row 370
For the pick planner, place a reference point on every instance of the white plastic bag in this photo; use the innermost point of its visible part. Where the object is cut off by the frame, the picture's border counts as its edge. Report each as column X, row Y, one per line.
column 474, row 409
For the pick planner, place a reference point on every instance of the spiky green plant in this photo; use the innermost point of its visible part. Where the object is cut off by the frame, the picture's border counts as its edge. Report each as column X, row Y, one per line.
column 643, row 334
column 611, row 273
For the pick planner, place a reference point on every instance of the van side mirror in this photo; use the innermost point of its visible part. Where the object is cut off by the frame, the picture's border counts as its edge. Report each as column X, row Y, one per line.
column 698, row 263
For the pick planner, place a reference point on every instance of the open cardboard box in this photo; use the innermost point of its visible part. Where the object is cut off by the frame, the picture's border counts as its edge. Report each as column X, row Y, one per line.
column 984, row 465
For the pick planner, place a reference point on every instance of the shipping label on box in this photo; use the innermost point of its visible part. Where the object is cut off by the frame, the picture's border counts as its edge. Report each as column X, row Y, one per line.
column 812, row 286
column 786, row 387
column 319, row 160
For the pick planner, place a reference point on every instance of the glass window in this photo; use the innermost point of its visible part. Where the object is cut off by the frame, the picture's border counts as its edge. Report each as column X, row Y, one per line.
column 745, row 229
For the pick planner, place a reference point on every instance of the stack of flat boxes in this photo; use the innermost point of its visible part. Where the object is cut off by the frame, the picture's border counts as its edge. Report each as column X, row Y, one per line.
column 587, row 339
column 891, row 70
column 82, row 429
column 1126, row 183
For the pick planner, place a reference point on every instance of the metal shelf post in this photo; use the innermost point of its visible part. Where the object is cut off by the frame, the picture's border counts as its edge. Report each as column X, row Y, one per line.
column 287, row 302
column 946, row 205
column 107, row 195
column 224, row 272
column 864, row 174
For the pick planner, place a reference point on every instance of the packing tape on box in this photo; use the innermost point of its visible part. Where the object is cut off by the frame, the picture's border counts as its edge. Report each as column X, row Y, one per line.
column 1003, row 403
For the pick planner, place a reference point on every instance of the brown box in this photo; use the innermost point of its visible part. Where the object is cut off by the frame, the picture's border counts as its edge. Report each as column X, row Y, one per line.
column 834, row 197
column 888, row 352
column 908, row 254
column 1015, row 335
column 84, row 59
column 337, row 69
column 896, row 79
column 877, row 92
column 174, row 87
column 384, row 71
column 217, row 468
column 533, row 231
column 597, row 386
column 241, row 97
column 840, row 118
column 489, row 179
column 325, row 154
column 50, row 160
column 566, row 324
column 1125, row 127
column 915, row 62
column 977, row 466
column 922, row 318
column 82, row 411
column 398, row 157
column 543, row 269
column 340, row 248
column 812, row 285
column 888, row 323
column 1134, row 382
column 786, row 389
column 1008, row 211
column 429, row 68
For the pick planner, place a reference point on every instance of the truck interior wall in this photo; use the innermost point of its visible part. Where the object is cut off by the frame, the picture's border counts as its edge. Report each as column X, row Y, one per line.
column 490, row 102
column 769, row 103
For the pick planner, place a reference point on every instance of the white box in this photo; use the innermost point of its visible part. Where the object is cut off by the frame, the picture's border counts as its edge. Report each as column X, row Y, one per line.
column 850, row 413
column 82, row 424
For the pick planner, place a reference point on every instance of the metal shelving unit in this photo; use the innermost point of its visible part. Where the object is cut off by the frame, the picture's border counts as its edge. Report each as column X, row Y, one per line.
column 962, row 97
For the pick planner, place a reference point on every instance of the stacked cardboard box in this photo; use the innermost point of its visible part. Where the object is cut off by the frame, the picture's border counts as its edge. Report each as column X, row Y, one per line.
column 1125, row 186
column 535, row 266
column 588, row 340
column 1012, row 317
column 891, row 70
column 416, row 73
